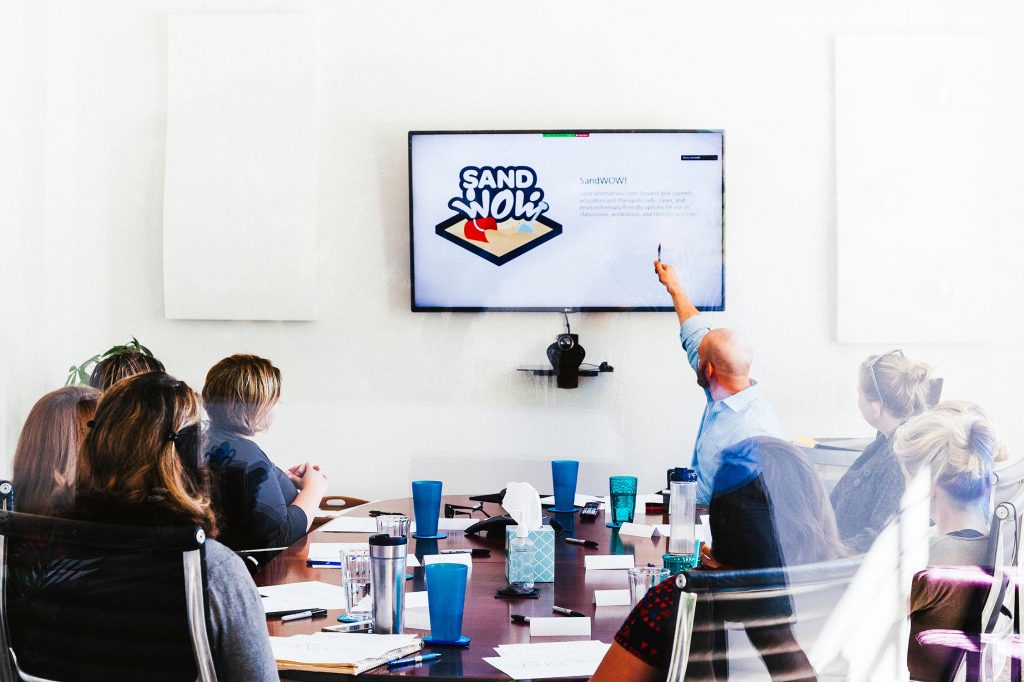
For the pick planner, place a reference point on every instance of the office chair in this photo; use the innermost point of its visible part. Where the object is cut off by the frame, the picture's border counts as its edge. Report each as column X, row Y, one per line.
column 90, row 601
column 998, row 618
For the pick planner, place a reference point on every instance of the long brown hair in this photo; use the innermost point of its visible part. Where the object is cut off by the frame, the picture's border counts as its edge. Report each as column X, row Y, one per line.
column 46, row 459
column 239, row 391
column 141, row 453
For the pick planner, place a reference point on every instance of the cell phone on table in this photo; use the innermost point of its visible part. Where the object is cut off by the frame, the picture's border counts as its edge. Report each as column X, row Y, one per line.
column 589, row 511
column 361, row 626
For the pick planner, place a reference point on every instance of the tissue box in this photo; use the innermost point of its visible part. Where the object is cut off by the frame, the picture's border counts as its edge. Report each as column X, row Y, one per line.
column 542, row 563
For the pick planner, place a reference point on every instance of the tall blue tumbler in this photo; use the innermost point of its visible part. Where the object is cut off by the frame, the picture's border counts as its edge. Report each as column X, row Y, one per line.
column 563, row 476
column 426, row 505
column 446, row 599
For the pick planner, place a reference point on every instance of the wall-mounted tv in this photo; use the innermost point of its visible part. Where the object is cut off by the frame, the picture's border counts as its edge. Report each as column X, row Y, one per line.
column 565, row 220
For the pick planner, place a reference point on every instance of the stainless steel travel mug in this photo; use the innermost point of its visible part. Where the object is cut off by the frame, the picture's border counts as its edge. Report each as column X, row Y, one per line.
column 387, row 579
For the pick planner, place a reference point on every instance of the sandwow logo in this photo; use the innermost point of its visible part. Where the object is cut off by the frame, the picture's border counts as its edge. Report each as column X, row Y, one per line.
column 499, row 214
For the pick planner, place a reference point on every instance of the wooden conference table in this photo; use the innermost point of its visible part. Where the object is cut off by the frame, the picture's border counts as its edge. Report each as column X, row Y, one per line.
column 487, row 620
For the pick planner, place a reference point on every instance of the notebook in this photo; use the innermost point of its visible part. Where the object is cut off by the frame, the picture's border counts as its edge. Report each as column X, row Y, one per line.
column 339, row 652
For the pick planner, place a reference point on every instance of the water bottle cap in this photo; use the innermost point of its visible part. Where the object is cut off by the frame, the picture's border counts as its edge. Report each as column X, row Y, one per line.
column 385, row 540
column 689, row 476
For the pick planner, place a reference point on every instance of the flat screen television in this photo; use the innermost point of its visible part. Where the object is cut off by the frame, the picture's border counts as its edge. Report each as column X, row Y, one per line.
column 565, row 220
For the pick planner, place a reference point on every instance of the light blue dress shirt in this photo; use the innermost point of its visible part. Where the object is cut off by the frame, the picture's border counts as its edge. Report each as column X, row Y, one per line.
column 725, row 422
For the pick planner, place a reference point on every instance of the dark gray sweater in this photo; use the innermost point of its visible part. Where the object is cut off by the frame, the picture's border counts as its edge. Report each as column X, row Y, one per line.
column 867, row 497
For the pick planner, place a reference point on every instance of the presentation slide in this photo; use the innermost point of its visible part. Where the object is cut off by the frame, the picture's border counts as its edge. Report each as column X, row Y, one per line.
column 565, row 220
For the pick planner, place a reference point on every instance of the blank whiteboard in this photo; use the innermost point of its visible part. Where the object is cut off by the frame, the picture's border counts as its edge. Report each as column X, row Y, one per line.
column 240, row 183
column 914, row 168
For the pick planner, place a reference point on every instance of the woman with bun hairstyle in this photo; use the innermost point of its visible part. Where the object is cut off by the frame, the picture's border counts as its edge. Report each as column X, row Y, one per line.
column 138, row 466
column 892, row 388
column 46, row 458
column 259, row 505
column 957, row 442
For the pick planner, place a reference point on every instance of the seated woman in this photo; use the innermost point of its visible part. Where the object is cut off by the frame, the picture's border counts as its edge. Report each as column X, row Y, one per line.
column 892, row 388
column 957, row 441
column 768, row 510
column 113, row 368
column 46, row 458
column 138, row 466
column 259, row 505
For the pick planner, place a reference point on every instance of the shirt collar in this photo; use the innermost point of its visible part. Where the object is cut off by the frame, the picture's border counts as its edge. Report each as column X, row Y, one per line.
column 737, row 401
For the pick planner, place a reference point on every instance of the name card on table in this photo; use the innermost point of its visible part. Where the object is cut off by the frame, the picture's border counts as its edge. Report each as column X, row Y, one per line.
column 416, row 600
column 416, row 619
column 462, row 558
column 604, row 562
column 560, row 626
column 611, row 597
column 350, row 524
column 641, row 530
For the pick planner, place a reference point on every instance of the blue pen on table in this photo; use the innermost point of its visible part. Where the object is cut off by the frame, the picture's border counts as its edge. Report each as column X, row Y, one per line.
column 313, row 563
column 312, row 613
column 422, row 658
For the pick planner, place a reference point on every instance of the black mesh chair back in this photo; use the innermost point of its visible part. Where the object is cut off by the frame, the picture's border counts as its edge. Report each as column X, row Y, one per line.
column 88, row 601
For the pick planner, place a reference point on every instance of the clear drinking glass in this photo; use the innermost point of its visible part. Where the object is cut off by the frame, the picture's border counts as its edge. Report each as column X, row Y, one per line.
column 643, row 578
column 394, row 525
column 355, row 579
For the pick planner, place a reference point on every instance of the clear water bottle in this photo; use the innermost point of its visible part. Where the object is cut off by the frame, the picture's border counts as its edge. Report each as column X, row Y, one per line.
column 683, row 508
column 520, row 558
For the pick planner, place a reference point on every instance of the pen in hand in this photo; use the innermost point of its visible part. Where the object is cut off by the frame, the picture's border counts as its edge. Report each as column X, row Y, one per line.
column 659, row 251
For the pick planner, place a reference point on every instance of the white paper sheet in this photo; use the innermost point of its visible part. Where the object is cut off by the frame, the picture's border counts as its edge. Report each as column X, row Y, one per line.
column 594, row 562
column 611, row 597
column 331, row 551
column 350, row 524
column 325, row 648
column 311, row 594
column 559, row 659
column 416, row 619
column 641, row 530
column 416, row 600
column 560, row 626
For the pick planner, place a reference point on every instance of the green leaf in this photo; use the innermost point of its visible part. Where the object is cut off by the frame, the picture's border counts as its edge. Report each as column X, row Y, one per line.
column 146, row 350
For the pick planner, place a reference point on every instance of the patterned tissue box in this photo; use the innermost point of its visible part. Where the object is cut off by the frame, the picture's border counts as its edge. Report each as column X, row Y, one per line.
column 542, row 565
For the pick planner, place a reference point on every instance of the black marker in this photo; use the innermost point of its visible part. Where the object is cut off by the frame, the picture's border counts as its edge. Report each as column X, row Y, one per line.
column 568, row 612
column 659, row 251
column 585, row 543
column 520, row 620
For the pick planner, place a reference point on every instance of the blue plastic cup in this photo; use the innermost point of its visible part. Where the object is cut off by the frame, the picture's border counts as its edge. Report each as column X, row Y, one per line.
column 622, row 500
column 563, row 476
column 426, row 505
column 446, row 598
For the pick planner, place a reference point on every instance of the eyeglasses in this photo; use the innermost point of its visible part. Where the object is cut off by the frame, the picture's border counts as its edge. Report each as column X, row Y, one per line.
column 874, row 378
column 450, row 510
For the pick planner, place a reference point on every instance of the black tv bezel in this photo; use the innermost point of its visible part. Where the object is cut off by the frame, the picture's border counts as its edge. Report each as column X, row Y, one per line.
column 547, row 309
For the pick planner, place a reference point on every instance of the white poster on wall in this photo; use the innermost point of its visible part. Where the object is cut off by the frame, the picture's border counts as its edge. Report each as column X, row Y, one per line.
column 240, row 183
column 914, row 179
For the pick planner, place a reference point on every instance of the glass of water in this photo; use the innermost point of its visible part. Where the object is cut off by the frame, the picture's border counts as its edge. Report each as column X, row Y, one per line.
column 395, row 525
column 355, row 580
column 643, row 578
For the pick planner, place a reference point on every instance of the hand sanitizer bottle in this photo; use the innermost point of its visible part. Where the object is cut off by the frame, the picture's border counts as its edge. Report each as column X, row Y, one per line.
column 520, row 557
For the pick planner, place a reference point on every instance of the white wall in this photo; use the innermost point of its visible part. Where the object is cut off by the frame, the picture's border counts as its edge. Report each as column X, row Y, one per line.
column 377, row 394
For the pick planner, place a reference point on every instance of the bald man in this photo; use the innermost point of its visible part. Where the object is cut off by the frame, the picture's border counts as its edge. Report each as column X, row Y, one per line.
column 721, row 358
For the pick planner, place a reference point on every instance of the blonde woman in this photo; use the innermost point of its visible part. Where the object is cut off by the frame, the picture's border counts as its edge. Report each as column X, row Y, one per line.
column 958, row 444
column 892, row 388
column 138, row 466
column 46, row 458
column 260, row 505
